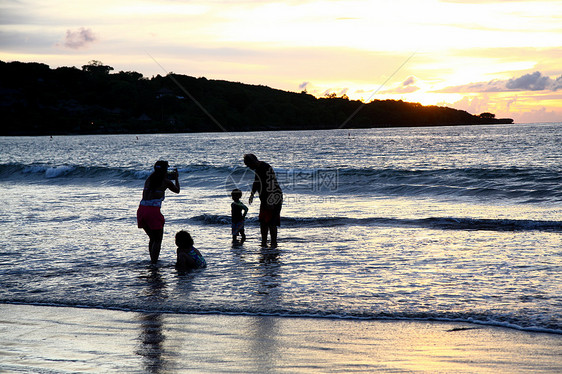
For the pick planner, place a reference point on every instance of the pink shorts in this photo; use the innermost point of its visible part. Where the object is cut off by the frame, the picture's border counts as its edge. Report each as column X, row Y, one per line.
column 149, row 217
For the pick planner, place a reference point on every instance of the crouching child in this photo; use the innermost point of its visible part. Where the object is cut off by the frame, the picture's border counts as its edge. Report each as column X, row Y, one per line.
column 188, row 257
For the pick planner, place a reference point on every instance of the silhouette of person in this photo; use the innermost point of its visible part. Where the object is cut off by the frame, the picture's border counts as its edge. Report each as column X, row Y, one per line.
column 149, row 216
column 238, row 215
column 188, row 257
column 271, row 198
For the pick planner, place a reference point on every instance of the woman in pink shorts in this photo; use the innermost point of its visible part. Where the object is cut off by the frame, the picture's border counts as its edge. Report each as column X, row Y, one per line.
column 149, row 216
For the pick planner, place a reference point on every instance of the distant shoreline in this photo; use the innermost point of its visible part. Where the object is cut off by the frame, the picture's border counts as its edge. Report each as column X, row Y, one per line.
column 155, row 131
column 38, row 100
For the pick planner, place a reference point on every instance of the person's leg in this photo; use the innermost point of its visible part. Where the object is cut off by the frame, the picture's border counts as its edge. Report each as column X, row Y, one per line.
column 155, row 243
column 263, row 228
column 150, row 239
column 155, row 252
column 275, row 221
column 242, row 236
column 273, row 232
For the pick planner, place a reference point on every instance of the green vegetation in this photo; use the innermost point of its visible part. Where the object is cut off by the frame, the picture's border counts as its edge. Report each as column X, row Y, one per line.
column 35, row 99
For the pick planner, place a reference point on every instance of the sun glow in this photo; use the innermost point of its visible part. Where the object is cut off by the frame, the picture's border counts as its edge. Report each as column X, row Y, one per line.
column 344, row 47
column 148, row 8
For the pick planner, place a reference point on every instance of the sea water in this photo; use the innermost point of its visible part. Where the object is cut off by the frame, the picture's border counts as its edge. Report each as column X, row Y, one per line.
column 438, row 223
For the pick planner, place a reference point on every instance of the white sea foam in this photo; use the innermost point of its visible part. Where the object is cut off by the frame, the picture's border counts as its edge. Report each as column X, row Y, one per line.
column 58, row 171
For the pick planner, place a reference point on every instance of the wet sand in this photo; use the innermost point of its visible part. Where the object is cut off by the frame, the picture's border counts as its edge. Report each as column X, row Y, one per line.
column 61, row 339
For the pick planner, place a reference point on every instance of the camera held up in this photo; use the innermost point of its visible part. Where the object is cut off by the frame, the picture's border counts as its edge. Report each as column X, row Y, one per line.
column 172, row 173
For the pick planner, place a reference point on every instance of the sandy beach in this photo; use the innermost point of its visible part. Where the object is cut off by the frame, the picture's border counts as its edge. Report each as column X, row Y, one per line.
column 62, row 339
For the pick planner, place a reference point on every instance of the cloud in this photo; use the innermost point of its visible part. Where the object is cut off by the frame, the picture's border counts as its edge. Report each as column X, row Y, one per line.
column 303, row 85
column 408, row 86
column 408, row 82
column 476, row 105
column 79, row 38
column 514, row 107
column 539, row 115
column 528, row 82
column 557, row 84
column 510, row 102
column 402, row 90
column 491, row 86
column 16, row 41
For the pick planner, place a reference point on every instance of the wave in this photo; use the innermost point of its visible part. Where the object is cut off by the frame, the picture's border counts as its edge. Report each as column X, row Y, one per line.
column 531, row 185
column 529, row 325
column 440, row 223
column 18, row 172
column 98, row 174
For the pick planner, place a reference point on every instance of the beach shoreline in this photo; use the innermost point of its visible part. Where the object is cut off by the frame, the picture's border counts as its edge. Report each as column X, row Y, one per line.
column 67, row 339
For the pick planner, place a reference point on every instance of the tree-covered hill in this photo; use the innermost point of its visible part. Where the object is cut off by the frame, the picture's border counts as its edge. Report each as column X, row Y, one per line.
column 35, row 99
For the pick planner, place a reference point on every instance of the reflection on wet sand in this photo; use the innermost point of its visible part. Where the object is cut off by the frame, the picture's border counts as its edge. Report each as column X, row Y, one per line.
column 151, row 341
column 264, row 332
column 152, row 337
column 161, row 340
column 269, row 273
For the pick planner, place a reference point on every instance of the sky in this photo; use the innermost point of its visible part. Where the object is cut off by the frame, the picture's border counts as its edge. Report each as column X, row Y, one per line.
column 503, row 57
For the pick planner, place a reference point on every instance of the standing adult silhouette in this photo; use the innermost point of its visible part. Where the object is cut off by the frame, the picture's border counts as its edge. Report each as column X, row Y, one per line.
column 271, row 198
column 149, row 216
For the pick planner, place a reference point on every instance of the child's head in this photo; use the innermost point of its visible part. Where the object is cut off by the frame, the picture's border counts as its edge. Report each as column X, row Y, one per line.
column 236, row 194
column 183, row 239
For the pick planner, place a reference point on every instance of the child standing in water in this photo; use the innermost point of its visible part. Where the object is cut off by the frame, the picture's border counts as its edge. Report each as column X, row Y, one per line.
column 188, row 257
column 239, row 211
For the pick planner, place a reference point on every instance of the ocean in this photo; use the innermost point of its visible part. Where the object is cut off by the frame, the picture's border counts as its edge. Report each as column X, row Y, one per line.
column 438, row 223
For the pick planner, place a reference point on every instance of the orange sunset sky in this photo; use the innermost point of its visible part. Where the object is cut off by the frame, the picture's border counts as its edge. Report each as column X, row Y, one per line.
column 498, row 56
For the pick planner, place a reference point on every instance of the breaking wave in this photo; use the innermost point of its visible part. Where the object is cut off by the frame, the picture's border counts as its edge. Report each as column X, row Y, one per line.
column 439, row 223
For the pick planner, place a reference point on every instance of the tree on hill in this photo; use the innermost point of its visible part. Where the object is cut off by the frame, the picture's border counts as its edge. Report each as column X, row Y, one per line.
column 97, row 67
column 487, row 115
